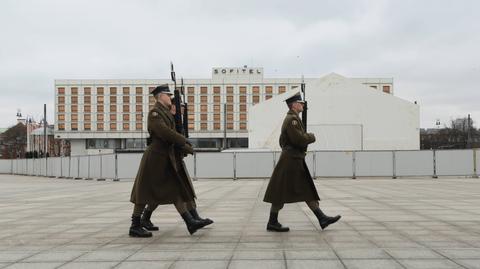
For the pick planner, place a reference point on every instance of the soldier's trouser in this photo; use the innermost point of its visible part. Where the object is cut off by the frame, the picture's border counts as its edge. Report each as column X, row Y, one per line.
column 138, row 209
column 311, row 204
column 180, row 208
column 180, row 205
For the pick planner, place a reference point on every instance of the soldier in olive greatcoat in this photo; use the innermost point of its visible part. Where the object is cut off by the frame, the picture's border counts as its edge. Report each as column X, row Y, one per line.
column 291, row 181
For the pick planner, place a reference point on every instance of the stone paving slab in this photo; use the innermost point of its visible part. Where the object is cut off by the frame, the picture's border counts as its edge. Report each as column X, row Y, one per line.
column 401, row 223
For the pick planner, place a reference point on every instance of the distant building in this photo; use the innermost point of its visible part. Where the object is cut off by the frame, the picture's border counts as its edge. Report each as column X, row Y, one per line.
column 99, row 116
column 344, row 114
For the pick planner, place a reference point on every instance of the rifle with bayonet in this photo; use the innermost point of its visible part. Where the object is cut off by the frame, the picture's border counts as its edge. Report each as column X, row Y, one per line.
column 305, row 107
column 181, row 123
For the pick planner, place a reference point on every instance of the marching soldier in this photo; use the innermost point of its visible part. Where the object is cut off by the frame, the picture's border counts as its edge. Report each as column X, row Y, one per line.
column 157, row 181
column 180, row 153
column 291, row 181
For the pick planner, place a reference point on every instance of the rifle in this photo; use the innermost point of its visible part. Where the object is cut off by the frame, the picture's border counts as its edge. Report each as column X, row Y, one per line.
column 181, row 124
column 305, row 107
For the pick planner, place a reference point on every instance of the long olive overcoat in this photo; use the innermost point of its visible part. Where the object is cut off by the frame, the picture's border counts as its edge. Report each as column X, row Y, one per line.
column 291, row 180
column 157, row 180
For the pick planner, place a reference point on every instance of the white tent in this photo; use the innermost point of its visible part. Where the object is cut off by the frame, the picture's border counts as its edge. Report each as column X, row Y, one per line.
column 344, row 115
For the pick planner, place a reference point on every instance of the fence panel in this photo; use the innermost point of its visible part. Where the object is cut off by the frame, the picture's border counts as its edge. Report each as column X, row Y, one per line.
column 190, row 165
column 84, row 167
column 128, row 165
column 108, row 166
column 333, row 164
column 254, row 164
column 57, row 166
column 66, row 167
column 215, row 165
column 477, row 161
column 414, row 163
column 6, row 166
column 454, row 162
column 95, row 161
column 74, row 165
column 374, row 163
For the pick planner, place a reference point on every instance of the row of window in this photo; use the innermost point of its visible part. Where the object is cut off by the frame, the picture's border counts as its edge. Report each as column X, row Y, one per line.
column 189, row 90
column 87, row 126
column 99, row 117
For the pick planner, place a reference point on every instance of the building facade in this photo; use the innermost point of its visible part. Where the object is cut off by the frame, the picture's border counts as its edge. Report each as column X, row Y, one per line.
column 98, row 116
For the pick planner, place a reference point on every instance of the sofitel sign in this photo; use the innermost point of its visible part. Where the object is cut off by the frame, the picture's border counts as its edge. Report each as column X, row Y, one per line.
column 237, row 71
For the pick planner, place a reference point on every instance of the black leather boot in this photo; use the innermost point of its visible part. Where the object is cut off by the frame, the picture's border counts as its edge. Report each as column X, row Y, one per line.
column 136, row 229
column 195, row 215
column 192, row 224
column 145, row 221
column 324, row 219
column 275, row 226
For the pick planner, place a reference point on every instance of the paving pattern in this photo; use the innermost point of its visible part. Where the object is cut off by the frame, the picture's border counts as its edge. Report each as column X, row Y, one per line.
column 401, row 223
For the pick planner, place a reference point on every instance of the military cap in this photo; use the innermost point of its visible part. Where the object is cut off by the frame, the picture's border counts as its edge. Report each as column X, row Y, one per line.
column 297, row 97
column 161, row 89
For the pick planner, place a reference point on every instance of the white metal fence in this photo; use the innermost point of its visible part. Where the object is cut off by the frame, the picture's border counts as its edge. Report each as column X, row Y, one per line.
column 238, row 165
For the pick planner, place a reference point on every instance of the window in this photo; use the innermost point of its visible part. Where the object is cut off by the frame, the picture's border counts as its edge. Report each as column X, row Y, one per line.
column 255, row 99
column 204, row 99
column 139, row 90
column 229, row 108
column 386, row 89
column 216, row 117
column 243, row 117
column 87, row 99
column 74, row 108
column 229, row 90
column 99, row 126
column 267, row 97
column 138, row 108
column 113, row 117
column 216, row 99
column 138, row 126
column 191, row 99
column 268, row 89
column 87, row 108
column 138, row 99
column 230, row 99
column 191, row 90
column 191, row 126
column 74, row 90
column 74, row 126
column 216, row 90
column 74, row 99
column 216, row 108
column 243, row 108
column 61, row 90
column 113, row 126
column 243, row 98
column 126, row 99
column 230, row 126
column 126, row 108
column 204, row 117
column 113, row 90
column 61, row 126
column 126, row 117
column 113, row 108
column 243, row 126
column 100, row 91
column 87, row 90
column 281, row 89
column 87, row 126
column 113, row 99
column 61, row 108
column 126, row 126
column 126, row 90
column 100, row 99
column 61, row 99
column 243, row 90
column 100, row 108
column 216, row 126
column 100, row 117
column 191, row 117
column 230, row 116
column 151, row 100
column 61, row 117
column 203, row 108
column 191, row 108
column 74, row 117
column 203, row 126
column 256, row 89
column 138, row 117
column 103, row 143
column 203, row 90
column 87, row 117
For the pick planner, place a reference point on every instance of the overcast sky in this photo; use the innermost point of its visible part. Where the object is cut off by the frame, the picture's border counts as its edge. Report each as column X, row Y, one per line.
column 430, row 48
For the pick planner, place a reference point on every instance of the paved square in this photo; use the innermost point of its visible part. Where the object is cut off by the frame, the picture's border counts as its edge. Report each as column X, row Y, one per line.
column 401, row 223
